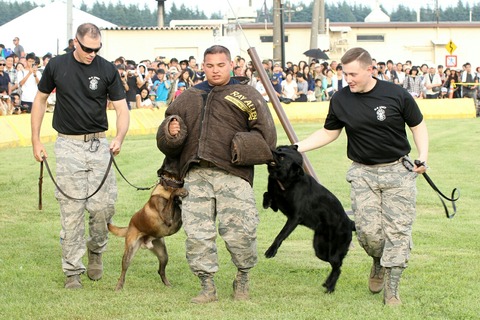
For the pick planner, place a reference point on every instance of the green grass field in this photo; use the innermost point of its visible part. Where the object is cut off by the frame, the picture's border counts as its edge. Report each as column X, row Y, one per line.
column 442, row 281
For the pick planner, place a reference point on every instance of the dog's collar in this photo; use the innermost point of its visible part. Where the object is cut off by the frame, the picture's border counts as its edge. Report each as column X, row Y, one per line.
column 170, row 182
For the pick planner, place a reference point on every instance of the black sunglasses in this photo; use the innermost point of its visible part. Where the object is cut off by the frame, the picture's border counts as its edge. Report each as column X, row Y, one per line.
column 2, row 64
column 87, row 49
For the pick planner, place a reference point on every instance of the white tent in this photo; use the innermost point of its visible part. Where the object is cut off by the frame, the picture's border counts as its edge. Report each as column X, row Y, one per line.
column 44, row 29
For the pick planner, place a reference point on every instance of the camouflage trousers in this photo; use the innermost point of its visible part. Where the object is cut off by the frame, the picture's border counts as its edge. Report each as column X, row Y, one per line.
column 216, row 194
column 80, row 171
column 383, row 201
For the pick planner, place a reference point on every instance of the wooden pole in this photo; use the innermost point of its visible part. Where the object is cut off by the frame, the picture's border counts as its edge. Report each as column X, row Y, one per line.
column 287, row 126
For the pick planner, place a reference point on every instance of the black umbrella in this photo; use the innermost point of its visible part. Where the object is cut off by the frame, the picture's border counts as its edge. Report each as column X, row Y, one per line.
column 317, row 54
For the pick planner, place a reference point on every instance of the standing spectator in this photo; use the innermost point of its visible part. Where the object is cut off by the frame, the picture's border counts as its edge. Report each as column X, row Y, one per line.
column 18, row 50
column 433, row 84
column 161, row 87
column 383, row 191
column 413, row 83
column 219, row 187
column 28, row 80
column 400, row 74
column 4, row 76
column 83, row 82
column 180, row 88
column 468, row 76
column 12, row 73
column 70, row 47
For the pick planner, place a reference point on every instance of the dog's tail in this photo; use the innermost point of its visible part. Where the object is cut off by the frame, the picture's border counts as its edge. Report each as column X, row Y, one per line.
column 118, row 231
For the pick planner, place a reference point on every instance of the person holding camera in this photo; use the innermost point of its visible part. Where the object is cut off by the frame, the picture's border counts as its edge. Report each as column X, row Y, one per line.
column 161, row 87
column 5, row 103
column 28, row 80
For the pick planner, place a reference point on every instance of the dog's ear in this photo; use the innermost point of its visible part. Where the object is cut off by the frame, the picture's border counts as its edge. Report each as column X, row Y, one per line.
column 295, row 147
column 298, row 169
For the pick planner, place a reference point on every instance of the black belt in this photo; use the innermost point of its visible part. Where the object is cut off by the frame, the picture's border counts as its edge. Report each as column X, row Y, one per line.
column 83, row 137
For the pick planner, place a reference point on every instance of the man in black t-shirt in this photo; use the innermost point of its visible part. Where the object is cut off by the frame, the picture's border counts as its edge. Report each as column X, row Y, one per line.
column 383, row 190
column 83, row 82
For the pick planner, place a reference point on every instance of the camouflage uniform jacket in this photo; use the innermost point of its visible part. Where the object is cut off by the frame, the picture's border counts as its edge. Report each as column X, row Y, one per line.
column 209, row 121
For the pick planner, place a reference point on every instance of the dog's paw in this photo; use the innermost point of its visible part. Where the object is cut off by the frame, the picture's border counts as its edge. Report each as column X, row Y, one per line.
column 271, row 252
column 329, row 288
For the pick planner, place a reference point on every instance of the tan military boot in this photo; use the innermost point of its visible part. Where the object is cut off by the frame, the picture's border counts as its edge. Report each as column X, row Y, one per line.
column 95, row 266
column 73, row 282
column 240, row 286
column 208, row 293
column 391, row 295
column 375, row 282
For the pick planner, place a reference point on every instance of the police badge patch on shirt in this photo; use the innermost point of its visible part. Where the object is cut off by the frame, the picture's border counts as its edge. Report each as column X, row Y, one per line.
column 381, row 115
column 93, row 83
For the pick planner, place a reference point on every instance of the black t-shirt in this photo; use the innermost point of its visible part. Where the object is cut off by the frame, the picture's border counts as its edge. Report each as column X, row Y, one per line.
column 374, row 122
column 81, row 93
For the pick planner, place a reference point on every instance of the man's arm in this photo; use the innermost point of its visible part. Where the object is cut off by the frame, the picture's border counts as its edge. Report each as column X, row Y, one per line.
column 123, row 121
column 420, row 136
column 318, row 139
column 38, row 111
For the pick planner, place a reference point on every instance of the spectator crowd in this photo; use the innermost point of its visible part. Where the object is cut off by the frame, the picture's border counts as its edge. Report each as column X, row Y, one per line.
column 155, row 83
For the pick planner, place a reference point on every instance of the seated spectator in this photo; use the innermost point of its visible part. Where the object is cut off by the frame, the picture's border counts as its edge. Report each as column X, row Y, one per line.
column 143, row 99
column 5, row 102
column 319, row 92
column 289, row 88
column 260, row 87
column 329, row 84
column 180, row 88
column 16, row 102
column 302, row 88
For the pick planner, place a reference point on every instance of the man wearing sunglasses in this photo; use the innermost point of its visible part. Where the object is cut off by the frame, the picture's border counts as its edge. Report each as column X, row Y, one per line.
column 83, row 81
column 4, row 76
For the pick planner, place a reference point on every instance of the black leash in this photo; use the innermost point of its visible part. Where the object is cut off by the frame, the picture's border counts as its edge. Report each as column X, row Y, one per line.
column 112, row 160
column 121, row 174
column 452, row 198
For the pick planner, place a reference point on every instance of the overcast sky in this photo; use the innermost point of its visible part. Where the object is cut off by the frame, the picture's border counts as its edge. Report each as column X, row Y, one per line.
column 223, row 5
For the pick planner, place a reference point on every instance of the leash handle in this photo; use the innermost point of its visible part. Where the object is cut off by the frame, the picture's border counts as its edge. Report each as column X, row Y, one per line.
column 40, row 184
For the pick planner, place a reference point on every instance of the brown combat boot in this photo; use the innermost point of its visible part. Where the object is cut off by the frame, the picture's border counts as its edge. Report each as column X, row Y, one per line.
column 208, row 293
column 73, row 282
column 240, row 286
column 376, row 280
column 95, row 266
column 391, row 295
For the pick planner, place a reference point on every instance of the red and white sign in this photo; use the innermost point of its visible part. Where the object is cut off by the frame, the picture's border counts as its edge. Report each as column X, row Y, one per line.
column 450, row 61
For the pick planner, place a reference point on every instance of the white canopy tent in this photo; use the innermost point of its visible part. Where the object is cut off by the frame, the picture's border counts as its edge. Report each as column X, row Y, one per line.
column 44, row 29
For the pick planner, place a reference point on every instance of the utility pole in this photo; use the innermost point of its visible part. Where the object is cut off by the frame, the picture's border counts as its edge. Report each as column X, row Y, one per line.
column 318, row 22
column 278, row 32
column 315, row 25
column 161, row 13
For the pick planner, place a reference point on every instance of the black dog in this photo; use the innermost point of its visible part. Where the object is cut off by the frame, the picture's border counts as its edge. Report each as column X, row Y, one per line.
column 304, row 201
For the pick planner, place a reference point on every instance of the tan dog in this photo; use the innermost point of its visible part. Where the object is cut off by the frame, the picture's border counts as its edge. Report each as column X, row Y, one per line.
column 159, row 217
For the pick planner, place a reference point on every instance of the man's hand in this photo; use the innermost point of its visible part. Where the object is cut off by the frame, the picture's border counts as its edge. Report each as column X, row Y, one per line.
column 174, row 127
column 115, row 146
column 39, row 151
